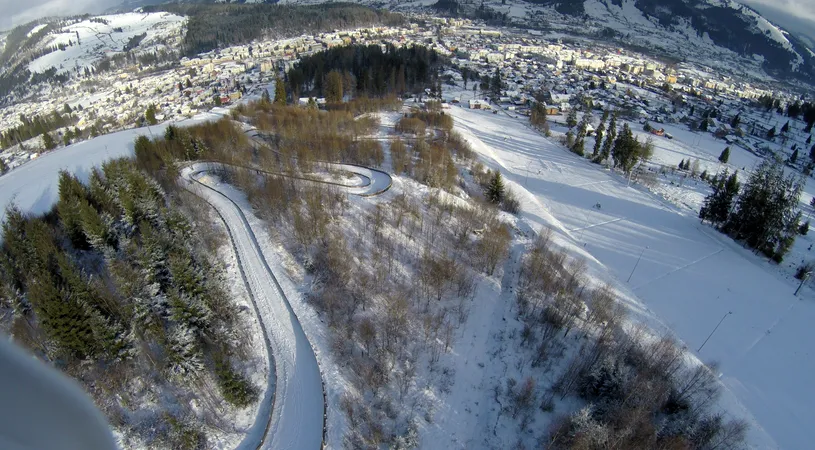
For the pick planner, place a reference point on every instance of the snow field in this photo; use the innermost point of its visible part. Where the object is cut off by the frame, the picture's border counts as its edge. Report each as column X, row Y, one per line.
column 687, row 278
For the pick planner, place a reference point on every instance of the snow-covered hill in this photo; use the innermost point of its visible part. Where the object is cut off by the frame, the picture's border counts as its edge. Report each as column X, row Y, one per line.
column 726, row 24
column 88, row 41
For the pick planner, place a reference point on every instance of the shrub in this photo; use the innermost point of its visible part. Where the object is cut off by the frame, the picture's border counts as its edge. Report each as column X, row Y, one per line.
column 235, row 388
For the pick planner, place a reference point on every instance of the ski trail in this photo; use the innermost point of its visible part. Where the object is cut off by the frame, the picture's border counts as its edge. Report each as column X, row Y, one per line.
column 598, row 224
column 679, row 268
column 591, row 183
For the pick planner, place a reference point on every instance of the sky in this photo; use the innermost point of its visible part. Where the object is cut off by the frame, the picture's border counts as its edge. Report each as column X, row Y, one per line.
column 797, row 16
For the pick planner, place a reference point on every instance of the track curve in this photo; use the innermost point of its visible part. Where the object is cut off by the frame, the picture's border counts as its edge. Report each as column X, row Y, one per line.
column 292, row 414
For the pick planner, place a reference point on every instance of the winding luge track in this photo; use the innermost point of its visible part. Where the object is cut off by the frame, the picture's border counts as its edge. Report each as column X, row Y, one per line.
column 292, row 413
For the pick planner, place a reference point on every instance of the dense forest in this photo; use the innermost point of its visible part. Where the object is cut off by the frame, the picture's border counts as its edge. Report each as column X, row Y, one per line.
column 114, row 287
column 211, row 26
column 359, row 70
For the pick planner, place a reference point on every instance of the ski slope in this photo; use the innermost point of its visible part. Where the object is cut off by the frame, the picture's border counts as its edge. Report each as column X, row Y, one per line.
column 689, row 276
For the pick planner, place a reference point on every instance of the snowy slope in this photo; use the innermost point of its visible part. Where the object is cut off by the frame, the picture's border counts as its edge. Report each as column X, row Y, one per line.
column 97, row 40
column 688, row 278
column 33, row 186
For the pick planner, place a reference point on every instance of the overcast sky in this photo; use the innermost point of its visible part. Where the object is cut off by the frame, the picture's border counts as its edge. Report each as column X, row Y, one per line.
column 796, row 15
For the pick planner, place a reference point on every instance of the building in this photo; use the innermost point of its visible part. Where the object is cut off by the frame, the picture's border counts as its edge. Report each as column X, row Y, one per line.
column 479, row 104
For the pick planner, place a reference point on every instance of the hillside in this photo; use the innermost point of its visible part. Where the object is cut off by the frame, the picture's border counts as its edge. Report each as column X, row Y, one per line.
column 663, row 24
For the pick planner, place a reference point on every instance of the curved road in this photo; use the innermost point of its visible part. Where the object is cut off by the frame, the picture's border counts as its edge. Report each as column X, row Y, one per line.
column 295, row 392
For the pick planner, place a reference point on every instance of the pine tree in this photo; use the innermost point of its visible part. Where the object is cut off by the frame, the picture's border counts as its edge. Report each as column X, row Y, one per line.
column 571, row 118
column 495, row 189
column 812, row 153
column 71, row 194
column 496, row 84
column 279, row 92
column 183, row 352
column 786, row 127
column 682, row 165
column 605, row 153
column 150, row 115
column 598, row 141
column 625, row 151
column 766, row 215
column 264, row 97
column 771, row 133
column 333, row 88
column 48, row 141
column 538, row 116
column 794, row 156
column 725, row 156
column 717, row 205
column 736, row 121
column 704, row 125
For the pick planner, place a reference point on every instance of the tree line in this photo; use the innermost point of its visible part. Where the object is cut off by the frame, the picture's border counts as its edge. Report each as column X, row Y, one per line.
column 764, row 213
column 364, row 70
column 113, row 285
column 39, row 125
column 212, row 26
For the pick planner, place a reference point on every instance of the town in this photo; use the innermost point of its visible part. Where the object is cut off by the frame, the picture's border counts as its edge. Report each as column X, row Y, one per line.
column 562, row 72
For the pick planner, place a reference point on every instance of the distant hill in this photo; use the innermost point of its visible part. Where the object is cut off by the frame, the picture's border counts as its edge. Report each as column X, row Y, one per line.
column 726, row 23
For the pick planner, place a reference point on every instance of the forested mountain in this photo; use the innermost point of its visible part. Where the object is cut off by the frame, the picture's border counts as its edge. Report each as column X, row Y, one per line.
column 217, row 25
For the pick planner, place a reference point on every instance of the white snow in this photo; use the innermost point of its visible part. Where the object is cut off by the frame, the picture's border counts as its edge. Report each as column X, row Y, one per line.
column 33, row 186
column 36, row 29
column 689, row 276
column 97, row 40
column 297, row 413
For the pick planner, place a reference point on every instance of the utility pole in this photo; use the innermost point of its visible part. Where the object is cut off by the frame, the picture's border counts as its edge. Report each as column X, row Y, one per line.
column 635, row 265
column 714, row 330
column 803, row 280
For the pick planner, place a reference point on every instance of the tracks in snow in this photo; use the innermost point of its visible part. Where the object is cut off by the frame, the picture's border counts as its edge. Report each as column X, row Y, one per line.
column 293, row 411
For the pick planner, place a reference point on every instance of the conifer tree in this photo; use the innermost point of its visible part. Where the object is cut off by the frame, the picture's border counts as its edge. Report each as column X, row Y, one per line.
column 598, row 141
column 766, row 215
column 771, row 133
column 48, row 141
column 265, row 98
column 736, row 121
column 725, row 155
column 786, row 127
column 717, row 205
column 279, row 92
column 495, row 189
column 150, row 115
column 571, row 118
column 794, row 156
column 605, row 153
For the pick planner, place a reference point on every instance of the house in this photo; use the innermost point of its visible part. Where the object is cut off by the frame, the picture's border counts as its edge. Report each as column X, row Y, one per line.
column 479, row 104
column 659, row 132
